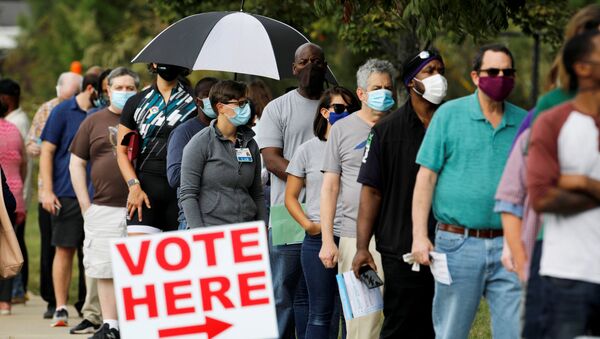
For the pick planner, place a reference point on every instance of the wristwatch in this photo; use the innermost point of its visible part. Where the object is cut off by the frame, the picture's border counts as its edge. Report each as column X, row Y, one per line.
column 132, row 182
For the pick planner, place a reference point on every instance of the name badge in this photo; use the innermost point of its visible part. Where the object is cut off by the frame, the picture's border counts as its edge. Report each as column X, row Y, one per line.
column 243, row 154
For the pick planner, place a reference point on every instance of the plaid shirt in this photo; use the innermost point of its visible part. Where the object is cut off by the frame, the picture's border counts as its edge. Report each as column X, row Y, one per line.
column 39, row 120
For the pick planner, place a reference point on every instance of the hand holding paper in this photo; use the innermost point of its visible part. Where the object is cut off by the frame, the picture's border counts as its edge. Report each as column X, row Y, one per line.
column 439, row 266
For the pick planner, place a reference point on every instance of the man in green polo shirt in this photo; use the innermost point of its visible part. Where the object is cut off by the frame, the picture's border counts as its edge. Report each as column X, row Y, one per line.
column 462, row 158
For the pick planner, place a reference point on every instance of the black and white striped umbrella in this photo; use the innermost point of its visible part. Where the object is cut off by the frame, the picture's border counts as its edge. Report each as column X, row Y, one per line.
column 228, row 41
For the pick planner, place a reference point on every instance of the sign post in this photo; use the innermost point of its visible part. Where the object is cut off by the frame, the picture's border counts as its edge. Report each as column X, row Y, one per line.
column 212, row 282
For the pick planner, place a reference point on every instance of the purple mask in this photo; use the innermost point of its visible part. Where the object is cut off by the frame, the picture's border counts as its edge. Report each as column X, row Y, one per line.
column 497, row 88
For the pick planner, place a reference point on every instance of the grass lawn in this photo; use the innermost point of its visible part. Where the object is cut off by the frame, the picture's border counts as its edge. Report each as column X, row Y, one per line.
column 480, row 330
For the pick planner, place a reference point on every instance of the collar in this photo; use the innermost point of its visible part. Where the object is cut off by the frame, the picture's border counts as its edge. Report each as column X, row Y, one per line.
column 17, row 111
column 409, row 112
column 73, row 105
column 244, row 133
column 476, row 113
column 179, row 87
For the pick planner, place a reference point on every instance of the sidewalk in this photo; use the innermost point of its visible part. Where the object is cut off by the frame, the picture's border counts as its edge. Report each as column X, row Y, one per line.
column 26, row 322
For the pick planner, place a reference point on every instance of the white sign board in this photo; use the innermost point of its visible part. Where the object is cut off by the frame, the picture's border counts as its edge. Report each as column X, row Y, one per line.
column 212, row 282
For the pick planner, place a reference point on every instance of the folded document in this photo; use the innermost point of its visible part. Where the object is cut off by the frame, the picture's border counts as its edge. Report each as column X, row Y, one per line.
column 439, row 266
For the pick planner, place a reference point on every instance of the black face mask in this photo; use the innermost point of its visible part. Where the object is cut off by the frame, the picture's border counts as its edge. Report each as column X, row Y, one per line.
column 312, row 78
column 168, row 72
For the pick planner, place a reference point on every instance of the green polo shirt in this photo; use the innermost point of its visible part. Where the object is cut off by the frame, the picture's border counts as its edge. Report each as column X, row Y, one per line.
column 468, row 155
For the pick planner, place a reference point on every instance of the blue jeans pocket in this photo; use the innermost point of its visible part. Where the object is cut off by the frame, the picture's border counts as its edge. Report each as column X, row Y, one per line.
column 447, row 242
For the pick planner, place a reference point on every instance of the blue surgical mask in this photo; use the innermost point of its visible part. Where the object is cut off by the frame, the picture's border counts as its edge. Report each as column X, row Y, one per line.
column 119, row 98
column 333, row 116
column 208, row 110
column 380, row 100
column 242, row 115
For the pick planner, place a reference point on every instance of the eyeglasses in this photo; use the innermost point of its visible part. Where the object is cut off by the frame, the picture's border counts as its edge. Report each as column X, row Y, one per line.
column 494, row 72
column 339, row 108
column 240, row 103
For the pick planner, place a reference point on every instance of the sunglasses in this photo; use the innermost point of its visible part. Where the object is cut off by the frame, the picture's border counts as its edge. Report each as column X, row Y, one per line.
column 494, row 72
column 339, row 108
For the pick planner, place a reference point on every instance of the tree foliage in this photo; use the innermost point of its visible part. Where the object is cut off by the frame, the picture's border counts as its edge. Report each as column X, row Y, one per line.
column 110, row 33
column 95, row 32
column 393, row 29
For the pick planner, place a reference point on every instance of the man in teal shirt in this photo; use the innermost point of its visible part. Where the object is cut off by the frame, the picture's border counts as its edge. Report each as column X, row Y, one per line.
column 462, row 158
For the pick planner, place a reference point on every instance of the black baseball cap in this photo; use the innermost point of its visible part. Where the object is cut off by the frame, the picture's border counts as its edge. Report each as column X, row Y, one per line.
column 416, row 63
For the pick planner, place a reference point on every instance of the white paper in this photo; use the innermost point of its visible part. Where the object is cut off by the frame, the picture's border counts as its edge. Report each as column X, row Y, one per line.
column 439, row 268
column 357, row 299
column 409, row 259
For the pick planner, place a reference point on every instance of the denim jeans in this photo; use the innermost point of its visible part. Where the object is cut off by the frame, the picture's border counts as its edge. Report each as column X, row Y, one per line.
column 182, row 225
column 535, row 294
column 21, row 279
column 289, row 288
column 572, row 308
column 476, row 271
column 323, row 296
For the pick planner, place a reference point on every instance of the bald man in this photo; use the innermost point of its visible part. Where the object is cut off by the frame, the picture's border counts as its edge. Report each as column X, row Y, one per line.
column 67, row 86
column 286, row 123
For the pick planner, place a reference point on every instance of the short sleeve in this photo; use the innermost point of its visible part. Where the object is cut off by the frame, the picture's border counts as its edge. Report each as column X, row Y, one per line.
column 128, row 112
column 432, row 153
column 81, row 142
column 332, row 159
column 503, row 206
column 54, row 127
column 370, row 170
column 543, row 168
column 270, row 133
column 297, row 166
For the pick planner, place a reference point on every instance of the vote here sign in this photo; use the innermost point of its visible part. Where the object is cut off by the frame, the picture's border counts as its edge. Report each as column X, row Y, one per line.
column 210, row 282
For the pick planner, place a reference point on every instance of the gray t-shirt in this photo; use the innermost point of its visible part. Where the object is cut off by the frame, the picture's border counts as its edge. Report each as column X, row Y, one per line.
column 307, row 163
column 343, row 155
column 286, row 123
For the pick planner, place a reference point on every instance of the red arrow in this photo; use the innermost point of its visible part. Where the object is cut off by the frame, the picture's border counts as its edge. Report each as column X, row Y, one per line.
column 212, row 328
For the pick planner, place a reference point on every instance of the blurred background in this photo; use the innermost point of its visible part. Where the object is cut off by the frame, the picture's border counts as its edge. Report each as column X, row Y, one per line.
column 39, row 39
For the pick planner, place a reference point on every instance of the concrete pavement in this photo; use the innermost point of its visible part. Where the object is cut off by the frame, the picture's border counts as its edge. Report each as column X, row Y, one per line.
column 26, row 322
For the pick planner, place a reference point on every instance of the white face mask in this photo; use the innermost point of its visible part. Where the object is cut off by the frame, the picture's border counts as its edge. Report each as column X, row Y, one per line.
column 436, row 87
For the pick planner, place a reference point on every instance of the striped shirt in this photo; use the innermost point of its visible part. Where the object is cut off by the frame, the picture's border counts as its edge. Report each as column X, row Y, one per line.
column 154, row 119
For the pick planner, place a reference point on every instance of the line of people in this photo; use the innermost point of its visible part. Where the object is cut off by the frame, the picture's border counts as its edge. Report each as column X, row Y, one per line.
column 431, row 175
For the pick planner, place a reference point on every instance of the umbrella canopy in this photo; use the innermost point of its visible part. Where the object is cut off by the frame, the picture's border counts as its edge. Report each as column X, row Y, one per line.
column 228, row 41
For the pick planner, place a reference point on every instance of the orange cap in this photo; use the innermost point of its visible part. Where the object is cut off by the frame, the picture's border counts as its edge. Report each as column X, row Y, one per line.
column 76, row 67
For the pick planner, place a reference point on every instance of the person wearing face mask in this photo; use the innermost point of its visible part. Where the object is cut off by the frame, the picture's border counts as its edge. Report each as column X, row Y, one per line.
column 102, row 99
column 104, row 216
column 304, row 172
column 220, row 169
column 57, row 194
column 150, row 116
column 462, row 158
column 184, row 133
column 388, row 175
column 286, row 123
column 343, row 156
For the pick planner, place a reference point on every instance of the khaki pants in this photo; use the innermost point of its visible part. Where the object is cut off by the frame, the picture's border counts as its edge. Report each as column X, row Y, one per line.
column 91, row 308
column 369, row 326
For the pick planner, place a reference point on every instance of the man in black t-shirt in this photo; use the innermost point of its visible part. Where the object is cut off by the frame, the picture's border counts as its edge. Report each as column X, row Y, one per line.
column 388, row 175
